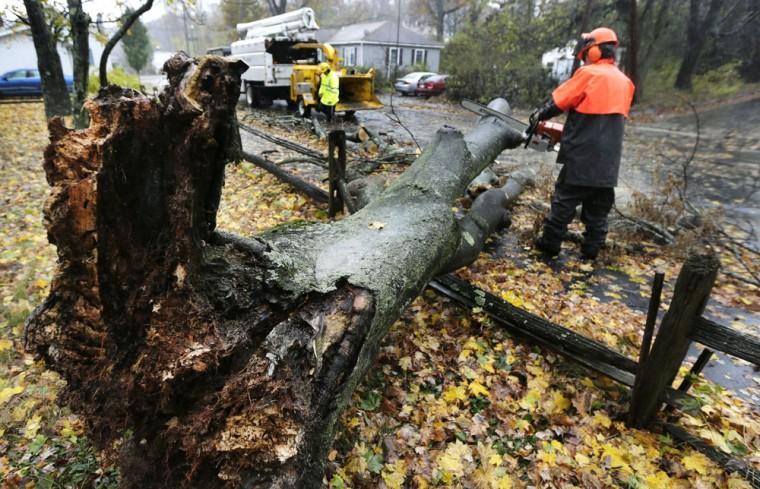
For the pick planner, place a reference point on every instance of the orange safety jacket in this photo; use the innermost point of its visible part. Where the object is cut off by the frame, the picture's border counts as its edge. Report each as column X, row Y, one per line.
column 598, row 98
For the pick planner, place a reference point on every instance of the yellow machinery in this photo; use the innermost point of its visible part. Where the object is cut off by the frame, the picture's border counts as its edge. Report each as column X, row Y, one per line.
column 357, row 91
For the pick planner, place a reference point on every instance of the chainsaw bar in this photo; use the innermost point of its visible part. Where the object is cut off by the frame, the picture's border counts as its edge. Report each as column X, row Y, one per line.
column 536, row 141
column 480, row 109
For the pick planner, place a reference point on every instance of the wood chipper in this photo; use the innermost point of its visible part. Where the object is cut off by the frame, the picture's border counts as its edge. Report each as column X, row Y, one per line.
column 283, row 57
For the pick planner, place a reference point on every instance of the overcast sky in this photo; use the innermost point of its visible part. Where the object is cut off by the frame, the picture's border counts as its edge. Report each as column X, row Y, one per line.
column 112, row 9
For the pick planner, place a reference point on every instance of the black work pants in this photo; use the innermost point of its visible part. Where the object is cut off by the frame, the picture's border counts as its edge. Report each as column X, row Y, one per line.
column 328, row 110
column 595, row 202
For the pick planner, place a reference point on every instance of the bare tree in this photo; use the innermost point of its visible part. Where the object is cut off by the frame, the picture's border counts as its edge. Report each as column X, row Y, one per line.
column 436, row 11
column 277, row 7
column 54, row 91
column 700, row 24
column 80, row 34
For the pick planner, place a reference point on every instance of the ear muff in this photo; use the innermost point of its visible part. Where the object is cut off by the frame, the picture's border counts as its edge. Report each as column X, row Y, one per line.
column 593, row 54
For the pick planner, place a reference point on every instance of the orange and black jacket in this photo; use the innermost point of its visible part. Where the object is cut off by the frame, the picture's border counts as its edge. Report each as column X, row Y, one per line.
column 597, row 99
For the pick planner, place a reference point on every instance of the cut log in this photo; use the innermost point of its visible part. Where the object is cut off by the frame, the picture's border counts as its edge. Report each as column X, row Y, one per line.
column 227, row 359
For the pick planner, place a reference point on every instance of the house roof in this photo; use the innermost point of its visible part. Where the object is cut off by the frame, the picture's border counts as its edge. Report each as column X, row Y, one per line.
column 381, row 32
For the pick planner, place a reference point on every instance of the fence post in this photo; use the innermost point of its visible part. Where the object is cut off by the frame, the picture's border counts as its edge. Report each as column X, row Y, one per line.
column 336, row 140
column 692, row 290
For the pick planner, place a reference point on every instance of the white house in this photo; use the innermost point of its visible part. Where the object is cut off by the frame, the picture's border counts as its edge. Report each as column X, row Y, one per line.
column 17, row 51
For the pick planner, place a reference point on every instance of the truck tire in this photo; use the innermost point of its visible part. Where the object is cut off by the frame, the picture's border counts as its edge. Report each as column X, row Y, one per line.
column 303, row 109
column 251, row 95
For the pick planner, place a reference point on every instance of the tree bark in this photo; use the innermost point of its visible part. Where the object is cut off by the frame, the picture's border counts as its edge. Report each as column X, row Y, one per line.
column 696, row 35
column 585, row 22
column 80, row 34
column 103, row 71
column 634, row 42
column 54, row 91
column 229, row 359
column 277, row 7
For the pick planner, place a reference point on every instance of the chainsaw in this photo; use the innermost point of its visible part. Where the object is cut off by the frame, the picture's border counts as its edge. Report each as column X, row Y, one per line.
column 542, row 136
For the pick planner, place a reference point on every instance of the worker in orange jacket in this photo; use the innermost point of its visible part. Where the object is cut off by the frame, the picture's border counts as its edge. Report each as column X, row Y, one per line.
column 597, row 98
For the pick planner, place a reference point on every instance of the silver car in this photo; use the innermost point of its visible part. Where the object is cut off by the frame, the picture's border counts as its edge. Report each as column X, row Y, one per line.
column 407, row 85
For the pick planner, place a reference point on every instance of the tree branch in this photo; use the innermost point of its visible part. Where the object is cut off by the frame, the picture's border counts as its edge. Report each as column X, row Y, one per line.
column 103, row 75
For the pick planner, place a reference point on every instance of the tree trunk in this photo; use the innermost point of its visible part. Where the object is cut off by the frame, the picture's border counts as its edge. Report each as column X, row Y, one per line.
column 440, row 17
column 103, row 71
column 229, row 359
column 696, row 35
column 661, row 22
column 585, row 22
column 632, row 60
column 54, row 91
column 277, row 7
column 80, row 34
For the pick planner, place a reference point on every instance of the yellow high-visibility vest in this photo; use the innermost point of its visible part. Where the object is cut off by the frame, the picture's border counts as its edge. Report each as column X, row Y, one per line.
column 328, row 89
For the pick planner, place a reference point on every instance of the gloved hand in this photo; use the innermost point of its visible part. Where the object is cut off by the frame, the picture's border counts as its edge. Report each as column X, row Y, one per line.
column 547, row 111
column 533, row 119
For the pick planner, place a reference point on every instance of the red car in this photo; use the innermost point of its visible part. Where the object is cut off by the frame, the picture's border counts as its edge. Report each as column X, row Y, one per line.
column 432, row 85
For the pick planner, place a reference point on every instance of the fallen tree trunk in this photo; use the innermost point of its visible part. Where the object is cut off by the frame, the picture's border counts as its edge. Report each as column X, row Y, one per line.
column 226, row 359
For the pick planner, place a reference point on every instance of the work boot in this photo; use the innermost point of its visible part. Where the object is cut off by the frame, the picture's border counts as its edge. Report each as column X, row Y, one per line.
column 589, row 252
column 547, row 247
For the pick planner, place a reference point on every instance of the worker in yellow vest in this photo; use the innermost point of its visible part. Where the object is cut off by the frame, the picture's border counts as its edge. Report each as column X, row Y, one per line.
column 328, row 90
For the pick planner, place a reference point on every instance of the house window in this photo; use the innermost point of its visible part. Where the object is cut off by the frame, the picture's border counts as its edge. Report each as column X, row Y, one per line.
column 349, row 56
column 394, row 56
column 420, row 56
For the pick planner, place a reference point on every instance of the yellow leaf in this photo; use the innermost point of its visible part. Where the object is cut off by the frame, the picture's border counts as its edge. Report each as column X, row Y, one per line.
column 530, row 400
column 522, row 424
column 455, row 393
column 582, row 459
column 716, row 438
column 473, row 345
column 464, row 355
column 405, row 363
column 477, row 389
column 494, row 459
column 559, row 403
column 454, row 458
column 5, row 345
column 615, row 458
column 660, row 480
column 394, row 474
column 9, row 392
column 32, row 427
column 601, row 419
column 513, row 299
column 486, row 363
column 696, row 462
column 505, row 482
column 421, row 482
column 736, row 482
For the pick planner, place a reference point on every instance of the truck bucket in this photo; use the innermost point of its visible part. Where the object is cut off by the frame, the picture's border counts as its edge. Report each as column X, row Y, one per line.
column 357, row 92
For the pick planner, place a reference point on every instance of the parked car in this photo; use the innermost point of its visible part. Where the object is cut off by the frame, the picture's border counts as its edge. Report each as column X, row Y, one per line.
column 407, row 85
column 25, row 82
column 432, row 85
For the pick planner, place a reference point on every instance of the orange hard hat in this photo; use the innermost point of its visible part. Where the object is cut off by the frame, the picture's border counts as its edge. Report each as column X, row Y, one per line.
column 600, row 35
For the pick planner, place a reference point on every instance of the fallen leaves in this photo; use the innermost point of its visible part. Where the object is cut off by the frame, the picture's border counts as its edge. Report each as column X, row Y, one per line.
column 451, row 401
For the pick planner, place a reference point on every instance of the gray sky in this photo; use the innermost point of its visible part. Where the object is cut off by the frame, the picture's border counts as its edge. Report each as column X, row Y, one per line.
column 110, row 8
